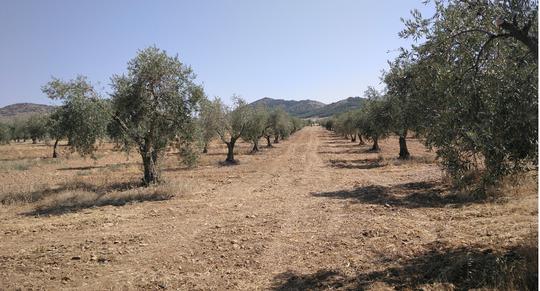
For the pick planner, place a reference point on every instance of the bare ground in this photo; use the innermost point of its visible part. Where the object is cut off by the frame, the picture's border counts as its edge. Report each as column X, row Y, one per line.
column 315, row 212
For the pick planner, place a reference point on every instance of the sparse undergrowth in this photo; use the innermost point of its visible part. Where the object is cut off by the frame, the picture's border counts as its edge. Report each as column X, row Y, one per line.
column 440, row 268
column 71, row 201
column 77, row 195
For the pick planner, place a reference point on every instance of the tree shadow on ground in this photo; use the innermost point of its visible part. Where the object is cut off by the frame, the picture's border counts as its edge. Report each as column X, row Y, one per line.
column 177, row 169
column 81, row 168
column 440, row 267
column 94, row 167
column 224, row 154
column 338, row 142
column 321, row 280
column 215, row 154
column 353, row 150
column 356, row 164
column 408, row 195
column 348, row 145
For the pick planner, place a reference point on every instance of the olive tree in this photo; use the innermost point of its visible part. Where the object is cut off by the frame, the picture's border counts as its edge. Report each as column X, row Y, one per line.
column 232, row 122
column 478, row 80
column 18, row 130
column 328, row 123
column 5, row 134
column 279, row 123
column 57, row 127
column 153, row 104
column 346, row 125
column 361, row 121
column 298, row 124
column 207, row 122
column 83, row 116
column 269, row 131
column 256, row 127
column 376, row 116
column 402, row 90
column 36, row 126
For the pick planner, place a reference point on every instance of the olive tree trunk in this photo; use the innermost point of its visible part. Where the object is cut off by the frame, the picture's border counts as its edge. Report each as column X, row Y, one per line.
column 205, row 148
column 276, row 138
column 375, row 147
column 151, row 171
column 55, row 153
column 268, row 143
column 361, row 141
column 403, row 151
column 230, row 151
column 255, row 146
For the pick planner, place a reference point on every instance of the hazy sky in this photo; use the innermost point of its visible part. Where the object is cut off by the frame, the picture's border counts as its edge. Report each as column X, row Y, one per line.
column 322, row 50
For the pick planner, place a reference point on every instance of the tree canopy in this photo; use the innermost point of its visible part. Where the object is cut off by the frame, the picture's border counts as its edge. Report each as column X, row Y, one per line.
column 83, row 115
column 153, row 104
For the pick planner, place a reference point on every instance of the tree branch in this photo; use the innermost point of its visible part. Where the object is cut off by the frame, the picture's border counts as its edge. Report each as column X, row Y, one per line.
column 522, row 35
column 490, row 39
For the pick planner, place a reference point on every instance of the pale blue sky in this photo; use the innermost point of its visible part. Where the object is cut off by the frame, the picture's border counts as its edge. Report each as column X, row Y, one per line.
column 321, row 50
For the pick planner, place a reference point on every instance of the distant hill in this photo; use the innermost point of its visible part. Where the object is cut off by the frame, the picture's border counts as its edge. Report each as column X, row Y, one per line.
column 293, row 107
column 341, row 106
column 302, row 108
column 311, row 108
column 23, row 110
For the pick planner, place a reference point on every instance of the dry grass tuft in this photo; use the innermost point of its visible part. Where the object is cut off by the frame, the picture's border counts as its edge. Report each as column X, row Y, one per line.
column 515, row 186
column 78, row 194
column 512, row 269
column 75, row 200
column 17, row 165
column 515, row 269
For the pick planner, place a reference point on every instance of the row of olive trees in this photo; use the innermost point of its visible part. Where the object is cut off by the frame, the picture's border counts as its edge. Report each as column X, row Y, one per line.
column 154, row 105
column 243, row 121
column 373, row 122
column 470, row 90
column 81, row 119
column 31, row 128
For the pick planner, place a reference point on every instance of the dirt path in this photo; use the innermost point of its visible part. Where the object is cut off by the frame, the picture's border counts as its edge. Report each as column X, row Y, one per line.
column 315, row 212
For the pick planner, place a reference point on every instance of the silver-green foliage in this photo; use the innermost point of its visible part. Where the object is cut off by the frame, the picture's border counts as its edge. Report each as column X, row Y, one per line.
column 257, row 126
column 231, row 122
column 83, row 116
column 5, row 133
column 153, row 104
column 36, row 126
column 477, row 76
column 374, row 118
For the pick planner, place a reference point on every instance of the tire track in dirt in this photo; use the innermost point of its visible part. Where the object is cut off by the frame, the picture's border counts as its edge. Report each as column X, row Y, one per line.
column 301, row 221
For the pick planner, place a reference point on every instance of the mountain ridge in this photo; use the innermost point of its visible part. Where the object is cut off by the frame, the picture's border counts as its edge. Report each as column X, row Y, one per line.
column 308, row 108
column 23, row 110
column 293, row 107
